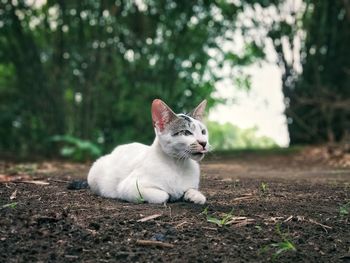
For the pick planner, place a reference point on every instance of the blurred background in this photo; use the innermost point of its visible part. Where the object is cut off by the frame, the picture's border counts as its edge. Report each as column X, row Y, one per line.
column 77, row 78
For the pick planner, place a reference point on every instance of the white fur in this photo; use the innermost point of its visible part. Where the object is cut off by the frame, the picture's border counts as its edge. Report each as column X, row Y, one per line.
column 157, row 173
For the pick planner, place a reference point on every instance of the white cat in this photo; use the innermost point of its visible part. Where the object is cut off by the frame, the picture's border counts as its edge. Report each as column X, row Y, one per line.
column 166, row 170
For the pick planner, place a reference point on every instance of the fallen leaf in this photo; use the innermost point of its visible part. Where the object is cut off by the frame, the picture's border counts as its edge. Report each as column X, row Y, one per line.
column 13, row 178
column 13, row 195
column 275, row 219
column 300, row 218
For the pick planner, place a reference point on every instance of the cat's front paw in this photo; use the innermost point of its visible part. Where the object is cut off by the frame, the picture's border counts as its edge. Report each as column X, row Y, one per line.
column 195, row 196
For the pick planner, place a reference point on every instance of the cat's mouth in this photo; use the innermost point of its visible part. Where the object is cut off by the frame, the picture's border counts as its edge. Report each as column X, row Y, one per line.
column 200, row 153
column 197, row 156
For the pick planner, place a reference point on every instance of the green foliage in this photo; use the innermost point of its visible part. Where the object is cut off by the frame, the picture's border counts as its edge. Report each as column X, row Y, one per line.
column 91, row 68
column 10, row 205
column 228, row 136
column 318, row 97
column 252, row 53
column 257, row 227
column 344, row 210
column 75, row 148
column 282, row 247
column 140, row 198
column 264, row 187
column 218, row 221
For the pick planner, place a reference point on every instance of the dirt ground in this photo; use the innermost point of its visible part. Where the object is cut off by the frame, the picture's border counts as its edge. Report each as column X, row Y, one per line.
column 261, row 208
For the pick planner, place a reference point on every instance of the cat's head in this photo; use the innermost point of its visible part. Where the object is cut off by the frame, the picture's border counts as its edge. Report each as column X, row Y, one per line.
column 181, row 136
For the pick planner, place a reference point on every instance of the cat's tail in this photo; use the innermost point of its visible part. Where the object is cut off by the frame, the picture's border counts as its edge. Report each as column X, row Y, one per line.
column 77, row 185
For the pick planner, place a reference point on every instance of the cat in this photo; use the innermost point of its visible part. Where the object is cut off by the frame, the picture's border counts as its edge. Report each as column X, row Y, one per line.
column 167, row 170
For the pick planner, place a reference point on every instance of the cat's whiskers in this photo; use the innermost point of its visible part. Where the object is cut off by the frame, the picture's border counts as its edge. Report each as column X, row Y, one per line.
column 182, row 156
column 186, row 153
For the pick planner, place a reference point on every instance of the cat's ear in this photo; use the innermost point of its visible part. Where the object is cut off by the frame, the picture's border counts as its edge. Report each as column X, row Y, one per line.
column 162, row 115
column 198, row 112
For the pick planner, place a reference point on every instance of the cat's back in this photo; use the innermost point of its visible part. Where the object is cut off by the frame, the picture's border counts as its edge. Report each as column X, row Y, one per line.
column 131, row 152
column 125, row 157
column 108, row 170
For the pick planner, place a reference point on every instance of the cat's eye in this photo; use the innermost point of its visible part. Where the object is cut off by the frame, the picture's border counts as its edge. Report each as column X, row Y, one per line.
column 204, row 132
column 183, row 132
column 187, row 132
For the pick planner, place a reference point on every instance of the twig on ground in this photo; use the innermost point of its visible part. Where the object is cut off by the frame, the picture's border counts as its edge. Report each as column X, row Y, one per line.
column 147, row 218
column 71, row 256
column 181, row 224
column 302, row 219
column 153, row 243
column 210, row 228
column 243, row 198
column 319, row 224
column 288, row 219
column 58, row 181
column 245, row 222
column 37, row 182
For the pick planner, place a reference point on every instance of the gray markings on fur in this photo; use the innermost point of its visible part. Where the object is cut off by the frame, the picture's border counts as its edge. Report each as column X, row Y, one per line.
column 185, row 117
column 184, row 122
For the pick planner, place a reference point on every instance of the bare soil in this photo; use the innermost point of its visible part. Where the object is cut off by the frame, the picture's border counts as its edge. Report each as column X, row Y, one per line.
column 283, row 208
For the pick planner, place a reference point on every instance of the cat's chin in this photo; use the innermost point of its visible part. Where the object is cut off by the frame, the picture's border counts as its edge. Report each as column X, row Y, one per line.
column 197, row 156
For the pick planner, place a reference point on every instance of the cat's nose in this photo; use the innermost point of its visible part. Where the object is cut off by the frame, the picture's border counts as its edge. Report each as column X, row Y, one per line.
column 202, row 143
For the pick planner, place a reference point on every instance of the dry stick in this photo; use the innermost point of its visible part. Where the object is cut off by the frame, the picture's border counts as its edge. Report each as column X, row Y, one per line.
column 244, row 223
column 288, row 219
column 153, row 243
column 58, row 181
column 311, row 221
column 38, row 182
column 181, row 224
column 240, row 221
column 147, row 218
column 210, row 228
column 319, row 224
column 243, row 198
column 71, row 256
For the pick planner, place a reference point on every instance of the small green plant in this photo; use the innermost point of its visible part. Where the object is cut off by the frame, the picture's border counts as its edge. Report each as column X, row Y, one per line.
column 24, row 168
column 236, row 183
column 344, row 210
column 264, row 188
column 259, row 228
column 10, row 205
column 281, row 247
column 75, row 148
column 140, row 198
column 220, row 222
